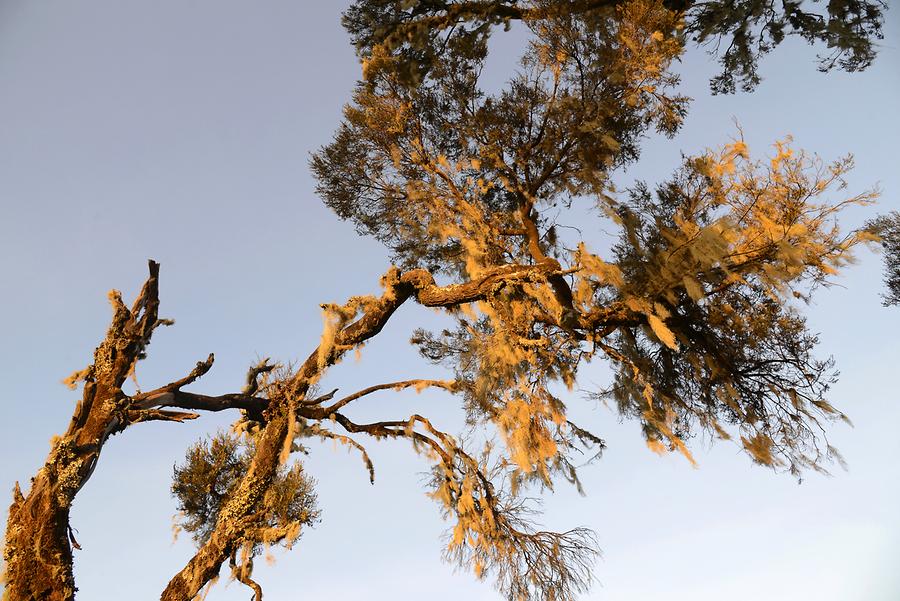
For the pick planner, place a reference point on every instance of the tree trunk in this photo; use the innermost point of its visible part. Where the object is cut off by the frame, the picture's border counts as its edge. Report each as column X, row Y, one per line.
column 37, row 553
column 237, row 514
column 38, row 547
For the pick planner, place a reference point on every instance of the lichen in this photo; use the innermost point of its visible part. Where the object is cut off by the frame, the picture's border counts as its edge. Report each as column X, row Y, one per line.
column 65, row 464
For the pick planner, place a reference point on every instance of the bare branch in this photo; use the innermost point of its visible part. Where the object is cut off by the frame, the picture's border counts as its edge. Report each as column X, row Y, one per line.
column 38, row 549
column 319, row 399
column 253, row 374
column 158, row 396
column 242, row 572
column 202, row 402
column 417, row 384
column 317, row 430
column 147, row 415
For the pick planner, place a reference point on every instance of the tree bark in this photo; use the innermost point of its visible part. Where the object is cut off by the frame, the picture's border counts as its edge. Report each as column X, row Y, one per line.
column 39, row 542
column 237, row 515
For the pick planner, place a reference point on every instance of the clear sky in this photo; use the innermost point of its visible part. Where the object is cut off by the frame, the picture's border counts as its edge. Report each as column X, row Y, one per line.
column 181, row 131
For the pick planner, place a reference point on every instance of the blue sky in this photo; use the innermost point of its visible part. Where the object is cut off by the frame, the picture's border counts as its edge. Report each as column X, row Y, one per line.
column 181, row 131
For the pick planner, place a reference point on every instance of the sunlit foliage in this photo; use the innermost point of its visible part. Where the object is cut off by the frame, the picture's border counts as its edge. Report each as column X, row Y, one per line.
column 695, row 302
column 411, row 36
column 499, row 211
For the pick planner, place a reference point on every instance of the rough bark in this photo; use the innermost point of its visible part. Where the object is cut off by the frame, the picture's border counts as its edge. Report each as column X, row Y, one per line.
column 236, row 517
column 38, row 548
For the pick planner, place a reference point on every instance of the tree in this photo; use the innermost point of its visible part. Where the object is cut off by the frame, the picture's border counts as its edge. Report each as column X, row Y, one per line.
column 692, row 304
column 887, row 227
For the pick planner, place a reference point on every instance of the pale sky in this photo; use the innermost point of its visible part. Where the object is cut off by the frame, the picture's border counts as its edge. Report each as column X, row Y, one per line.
column 181, row 131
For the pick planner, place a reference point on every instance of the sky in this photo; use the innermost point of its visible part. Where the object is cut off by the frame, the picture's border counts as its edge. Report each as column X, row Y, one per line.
column 181, row 131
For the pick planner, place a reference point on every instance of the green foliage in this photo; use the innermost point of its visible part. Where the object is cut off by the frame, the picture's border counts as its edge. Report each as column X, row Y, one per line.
column 694, row 305
column 410, row 37
column 210, row 474
column 749, row 29
column 887, row 228
column 431, row 168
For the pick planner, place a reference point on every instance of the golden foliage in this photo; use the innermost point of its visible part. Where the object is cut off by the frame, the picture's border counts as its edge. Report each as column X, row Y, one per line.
column 694, row 304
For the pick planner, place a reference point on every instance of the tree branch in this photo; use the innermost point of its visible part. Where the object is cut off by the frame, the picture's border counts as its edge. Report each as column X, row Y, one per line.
column 418, row 284
column 417, row 384
column 38, row 550
column 201, row 402
column 317, row 430
column 152, row 399
column 146, row 415
column 253, row 374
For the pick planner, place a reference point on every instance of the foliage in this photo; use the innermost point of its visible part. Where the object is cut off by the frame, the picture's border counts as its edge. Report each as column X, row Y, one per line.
column 887, row 228
column 691, row 290
column 209, row 481
column 749, row 29
column 407, row 35
column 694, row 305
column 209, row 475
column 429, row 169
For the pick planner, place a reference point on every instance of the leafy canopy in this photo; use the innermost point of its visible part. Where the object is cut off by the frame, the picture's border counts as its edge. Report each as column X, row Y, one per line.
column 692, row 298
column 411, row 35
column 691, row 290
